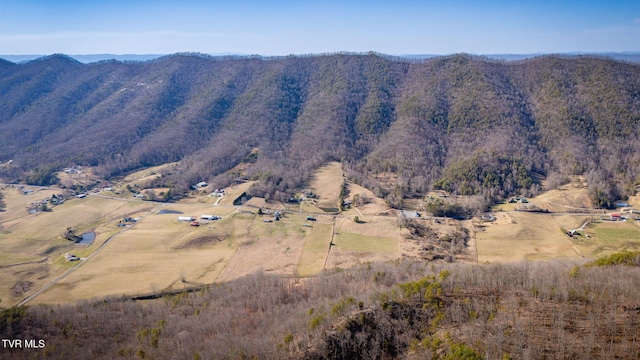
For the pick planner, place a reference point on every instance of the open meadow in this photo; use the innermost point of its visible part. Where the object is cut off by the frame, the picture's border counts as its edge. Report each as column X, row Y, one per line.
column 607, row 237
column 159, row 253
column 377, row 239
column 523, row 236
column 364, row 202
column 327, row 185
column 32, row 245
column 317, row 243
column 156, row 253
column 234, row 192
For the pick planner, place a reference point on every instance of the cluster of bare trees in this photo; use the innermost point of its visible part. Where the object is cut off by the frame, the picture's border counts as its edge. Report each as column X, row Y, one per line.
column 526, row 310
column 448, row 245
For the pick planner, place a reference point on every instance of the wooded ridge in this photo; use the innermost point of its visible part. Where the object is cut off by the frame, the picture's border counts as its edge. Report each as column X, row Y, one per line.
column 466, row 124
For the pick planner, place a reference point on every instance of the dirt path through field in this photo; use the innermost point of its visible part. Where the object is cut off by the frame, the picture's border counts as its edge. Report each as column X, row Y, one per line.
column 333, row 234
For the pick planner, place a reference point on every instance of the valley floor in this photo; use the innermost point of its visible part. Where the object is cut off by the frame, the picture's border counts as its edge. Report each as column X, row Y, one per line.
column 142, row 248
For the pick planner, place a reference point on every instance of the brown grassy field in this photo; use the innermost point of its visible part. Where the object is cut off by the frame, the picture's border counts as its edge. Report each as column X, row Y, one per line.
column 528, row 236
column 85, row 177
column 273, row 247
column 16, row 202
column 327, row 184
column 353, row 243
column 520, row 235
column 41, row 233
column 139, row 177
column 232, row 193
column 149, row 256
column 310, row 207
column 373, row 206
column 571, row 197
column 34, row 237
column 159, row 253
column 315, row 249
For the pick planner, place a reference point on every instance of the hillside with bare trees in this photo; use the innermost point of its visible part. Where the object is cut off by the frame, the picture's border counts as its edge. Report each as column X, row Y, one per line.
column 465, row 124
column 406, row 309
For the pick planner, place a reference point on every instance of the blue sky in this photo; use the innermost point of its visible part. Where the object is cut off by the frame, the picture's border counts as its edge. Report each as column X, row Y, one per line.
column 285, row 27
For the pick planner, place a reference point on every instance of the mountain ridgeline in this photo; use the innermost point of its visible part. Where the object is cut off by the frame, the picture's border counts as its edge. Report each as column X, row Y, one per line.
column 466, row 124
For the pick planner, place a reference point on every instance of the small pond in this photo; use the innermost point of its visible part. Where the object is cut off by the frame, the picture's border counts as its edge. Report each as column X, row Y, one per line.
column 87, row 238
column 168, row 211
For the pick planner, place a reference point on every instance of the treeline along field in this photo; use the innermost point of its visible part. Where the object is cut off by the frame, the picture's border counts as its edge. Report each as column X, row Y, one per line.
column 466, row 124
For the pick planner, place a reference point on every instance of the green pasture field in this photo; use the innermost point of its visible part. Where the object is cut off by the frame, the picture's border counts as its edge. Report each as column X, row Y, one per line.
column 363, row 243
column 315, row 249
column 613, row 236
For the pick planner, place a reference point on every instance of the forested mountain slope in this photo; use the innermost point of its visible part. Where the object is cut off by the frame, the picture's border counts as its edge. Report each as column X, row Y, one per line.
column 469, row 125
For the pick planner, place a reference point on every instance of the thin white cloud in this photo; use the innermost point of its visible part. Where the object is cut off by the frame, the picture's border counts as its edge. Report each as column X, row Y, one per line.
column 618, row 29
column 121, row 35
column 618, row 37
column 123, row 42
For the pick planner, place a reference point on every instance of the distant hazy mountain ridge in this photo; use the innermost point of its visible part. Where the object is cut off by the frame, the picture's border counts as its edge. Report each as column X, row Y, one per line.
column 466, row 124
column 631, row 56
